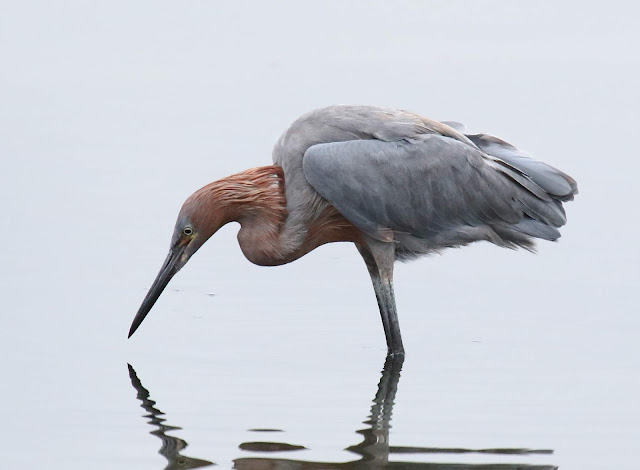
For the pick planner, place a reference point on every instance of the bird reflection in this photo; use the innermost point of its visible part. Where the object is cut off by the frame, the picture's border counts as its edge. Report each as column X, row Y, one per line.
column 374, row 450
column 171, row 446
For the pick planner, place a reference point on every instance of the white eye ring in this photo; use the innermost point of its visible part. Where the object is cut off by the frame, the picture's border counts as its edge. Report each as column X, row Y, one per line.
column 187, row 230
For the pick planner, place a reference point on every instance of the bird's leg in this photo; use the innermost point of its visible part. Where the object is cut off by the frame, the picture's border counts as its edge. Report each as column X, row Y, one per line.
column 372, row 267
column 379, row 258
column 396, row 347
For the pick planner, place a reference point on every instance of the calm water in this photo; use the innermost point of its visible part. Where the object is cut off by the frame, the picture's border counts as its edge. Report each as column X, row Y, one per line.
column 113, row 113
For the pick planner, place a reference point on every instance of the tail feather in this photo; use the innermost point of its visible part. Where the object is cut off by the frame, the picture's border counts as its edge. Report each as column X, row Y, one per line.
column 536, row 228
column 546, row 189
column 556, row 183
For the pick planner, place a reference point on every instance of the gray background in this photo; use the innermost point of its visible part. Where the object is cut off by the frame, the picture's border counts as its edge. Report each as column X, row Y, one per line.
column 111, row 113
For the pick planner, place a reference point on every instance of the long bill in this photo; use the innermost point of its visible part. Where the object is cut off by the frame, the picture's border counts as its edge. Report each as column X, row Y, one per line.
column 170, row 267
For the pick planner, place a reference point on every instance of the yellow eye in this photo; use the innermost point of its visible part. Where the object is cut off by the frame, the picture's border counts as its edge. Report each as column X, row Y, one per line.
column 187, row 230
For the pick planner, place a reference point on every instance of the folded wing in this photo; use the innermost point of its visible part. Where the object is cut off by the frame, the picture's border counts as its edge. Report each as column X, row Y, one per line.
column 440, row 191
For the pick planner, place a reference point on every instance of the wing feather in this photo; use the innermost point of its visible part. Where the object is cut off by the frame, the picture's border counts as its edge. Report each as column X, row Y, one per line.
column 548, row 178
column 432, row 186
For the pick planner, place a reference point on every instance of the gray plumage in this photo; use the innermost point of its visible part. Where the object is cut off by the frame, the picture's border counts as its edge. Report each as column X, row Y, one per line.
column 413, row 186
column 396, row 184
column 419, row 183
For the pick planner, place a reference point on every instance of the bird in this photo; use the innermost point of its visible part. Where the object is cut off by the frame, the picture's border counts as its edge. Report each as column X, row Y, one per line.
column 396, row 184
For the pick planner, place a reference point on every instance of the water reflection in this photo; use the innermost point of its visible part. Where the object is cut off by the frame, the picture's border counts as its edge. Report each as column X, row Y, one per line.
column 171, row 446
column 374, row 450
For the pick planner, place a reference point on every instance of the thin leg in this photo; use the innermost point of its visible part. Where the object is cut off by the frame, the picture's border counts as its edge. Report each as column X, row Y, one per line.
column 379, row 258
column 378, row 289
column 394, row 324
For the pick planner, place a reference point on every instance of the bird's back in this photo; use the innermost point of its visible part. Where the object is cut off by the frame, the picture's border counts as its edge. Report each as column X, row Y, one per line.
column 341, row 123
column 397, row 175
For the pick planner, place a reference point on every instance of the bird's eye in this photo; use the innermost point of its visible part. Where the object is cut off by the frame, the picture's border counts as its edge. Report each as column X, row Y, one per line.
column 187, row 230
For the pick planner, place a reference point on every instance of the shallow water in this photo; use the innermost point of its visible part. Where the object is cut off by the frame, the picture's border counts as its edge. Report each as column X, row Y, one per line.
column 373, row 451
column 112, row 114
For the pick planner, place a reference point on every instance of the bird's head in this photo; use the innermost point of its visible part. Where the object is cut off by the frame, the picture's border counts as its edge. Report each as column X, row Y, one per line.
column 199, row 218
column 205, row 211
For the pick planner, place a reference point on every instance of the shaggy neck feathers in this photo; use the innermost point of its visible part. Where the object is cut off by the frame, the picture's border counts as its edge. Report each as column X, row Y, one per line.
column 256, row 199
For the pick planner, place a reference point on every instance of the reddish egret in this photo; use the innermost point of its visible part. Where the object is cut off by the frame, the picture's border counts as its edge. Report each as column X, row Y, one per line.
column 396, row 184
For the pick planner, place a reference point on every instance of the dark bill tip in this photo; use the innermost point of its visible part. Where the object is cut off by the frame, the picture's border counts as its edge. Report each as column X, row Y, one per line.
column 170, row 267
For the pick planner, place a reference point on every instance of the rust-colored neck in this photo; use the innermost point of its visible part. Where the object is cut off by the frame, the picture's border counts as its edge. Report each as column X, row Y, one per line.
column 257, row 191
column 256, row 199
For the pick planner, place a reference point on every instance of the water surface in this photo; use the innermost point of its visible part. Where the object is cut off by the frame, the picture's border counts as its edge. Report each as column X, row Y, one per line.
column 113, row 113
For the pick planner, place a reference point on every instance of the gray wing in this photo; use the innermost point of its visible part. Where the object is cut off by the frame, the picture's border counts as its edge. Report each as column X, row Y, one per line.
column 432, row 188
column 547, row 177
column 550, row 179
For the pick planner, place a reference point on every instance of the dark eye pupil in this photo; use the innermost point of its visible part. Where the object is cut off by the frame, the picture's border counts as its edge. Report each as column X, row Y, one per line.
column 187, row 231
